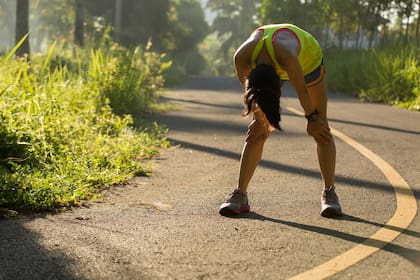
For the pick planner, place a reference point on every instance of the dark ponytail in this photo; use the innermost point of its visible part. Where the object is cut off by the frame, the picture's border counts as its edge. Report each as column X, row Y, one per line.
column 264, row 88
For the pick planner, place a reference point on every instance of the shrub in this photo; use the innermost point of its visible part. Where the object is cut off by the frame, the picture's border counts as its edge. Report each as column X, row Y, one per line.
column 128, row 79
column 60, row 139
column 396, row 79
column 390, row 75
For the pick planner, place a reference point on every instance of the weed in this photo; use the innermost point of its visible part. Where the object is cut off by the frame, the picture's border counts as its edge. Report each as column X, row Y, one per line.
column 390, row 75
column 60, row 137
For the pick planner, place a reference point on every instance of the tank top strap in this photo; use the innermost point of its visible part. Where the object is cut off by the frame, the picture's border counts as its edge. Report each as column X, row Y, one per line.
column 257, row 50
column 266, row 39
column 269, row 44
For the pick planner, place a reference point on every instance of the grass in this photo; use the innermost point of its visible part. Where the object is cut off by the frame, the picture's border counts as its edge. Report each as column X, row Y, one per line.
column 389, row 75
column 65, row 134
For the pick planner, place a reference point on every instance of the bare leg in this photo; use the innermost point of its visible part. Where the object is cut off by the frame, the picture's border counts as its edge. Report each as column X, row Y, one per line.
column 330, row 206
column 251, row 156
column 326, row 152
column 258, row 131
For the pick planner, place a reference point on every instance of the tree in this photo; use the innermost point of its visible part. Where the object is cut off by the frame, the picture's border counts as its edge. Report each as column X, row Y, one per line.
column 79, row 22
column 418, row 24
column 405, row 10
column 141, row 21
column 22, row 27
column 234, row 21
column 316, row 16
column 187, row 28
column 291, row 11
column 49, row 23
column 118, row 18
column 7, row 24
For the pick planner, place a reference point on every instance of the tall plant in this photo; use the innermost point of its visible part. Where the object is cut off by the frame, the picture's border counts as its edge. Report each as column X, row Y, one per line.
column 58, row 144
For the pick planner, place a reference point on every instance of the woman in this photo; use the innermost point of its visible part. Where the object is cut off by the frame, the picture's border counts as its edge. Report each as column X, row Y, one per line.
column 272, row 54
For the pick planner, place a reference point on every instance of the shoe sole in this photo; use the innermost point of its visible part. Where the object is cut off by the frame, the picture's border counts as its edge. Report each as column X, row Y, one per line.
column 331, row 213
column 228, row 212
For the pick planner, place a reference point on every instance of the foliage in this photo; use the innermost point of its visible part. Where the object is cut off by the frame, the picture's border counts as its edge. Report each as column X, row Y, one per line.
column 174, row 27
column 234, row 22
column 390, row 75
column 217, row 64
column 348, row 70
column 283, row 11
column 187, row 29
column 396, row 78
column 60, row 140
column 48, row 20
column 128, row 79
column 348, row 24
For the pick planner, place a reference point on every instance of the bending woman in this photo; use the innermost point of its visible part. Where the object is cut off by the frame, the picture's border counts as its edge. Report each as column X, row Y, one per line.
column 273, row 54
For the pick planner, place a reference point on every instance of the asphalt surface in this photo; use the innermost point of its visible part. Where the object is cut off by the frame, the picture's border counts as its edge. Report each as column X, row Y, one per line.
column 168, row 227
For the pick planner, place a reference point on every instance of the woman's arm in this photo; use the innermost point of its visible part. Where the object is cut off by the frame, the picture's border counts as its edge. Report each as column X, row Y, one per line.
column 288, row 59
column 242, row 63
column 287, row 49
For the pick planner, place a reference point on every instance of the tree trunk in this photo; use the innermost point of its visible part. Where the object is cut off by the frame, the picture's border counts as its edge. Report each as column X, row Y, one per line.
column 400, row 31
column 407, row 27
column 409, row 12
column 357, row 44
column 118, row 19
column 371, row 37
column 327, row 32
column 22, row 27
column 418, row 24
column 78, row 27
column 341, row 32
column 384, row 40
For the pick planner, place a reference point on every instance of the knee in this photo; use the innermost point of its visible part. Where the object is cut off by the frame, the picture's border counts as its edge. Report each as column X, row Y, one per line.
column 257, row 132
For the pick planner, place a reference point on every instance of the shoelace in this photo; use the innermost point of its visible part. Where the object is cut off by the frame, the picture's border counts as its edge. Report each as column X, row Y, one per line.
column 235, row 196
column 329, row 189
column 330, row 199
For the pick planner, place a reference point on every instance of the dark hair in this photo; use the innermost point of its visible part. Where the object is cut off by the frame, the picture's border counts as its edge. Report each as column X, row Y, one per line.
column 264, row 88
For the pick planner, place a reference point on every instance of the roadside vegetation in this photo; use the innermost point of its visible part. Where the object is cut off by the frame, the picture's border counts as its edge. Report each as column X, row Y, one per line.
column 390, row 75
column 73, row 93
column 371, row 47
column 67, row 129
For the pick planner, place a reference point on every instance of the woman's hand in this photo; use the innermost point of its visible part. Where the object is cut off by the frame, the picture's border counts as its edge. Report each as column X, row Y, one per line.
column 319, row 130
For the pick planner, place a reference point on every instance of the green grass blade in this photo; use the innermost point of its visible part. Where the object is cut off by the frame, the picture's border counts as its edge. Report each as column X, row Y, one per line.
column 48, row 59
column 12, row 52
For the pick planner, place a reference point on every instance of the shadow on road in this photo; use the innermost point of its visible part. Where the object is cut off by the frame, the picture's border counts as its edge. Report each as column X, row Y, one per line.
column 360, row 220
column 178, row 123
column 231, row 84
column 388, row 128
column 22, row 257
column 236, row 106
column 358, row 183
column 211, row 83
column 407, row 253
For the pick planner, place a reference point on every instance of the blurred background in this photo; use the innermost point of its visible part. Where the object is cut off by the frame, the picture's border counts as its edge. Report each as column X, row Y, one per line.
column 77, row 77
column 200, row 35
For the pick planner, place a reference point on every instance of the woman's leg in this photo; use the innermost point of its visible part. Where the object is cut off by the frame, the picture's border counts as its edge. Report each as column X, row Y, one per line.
column 258, row 131
column 326, row 152
column 250, row 157
column 330, row 205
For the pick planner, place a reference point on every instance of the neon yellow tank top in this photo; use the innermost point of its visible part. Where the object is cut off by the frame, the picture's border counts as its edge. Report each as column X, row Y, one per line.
column 310, row 55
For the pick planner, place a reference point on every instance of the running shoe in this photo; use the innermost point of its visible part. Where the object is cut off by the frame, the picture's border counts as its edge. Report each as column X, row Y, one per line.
column 237, row 203
column 330, row 206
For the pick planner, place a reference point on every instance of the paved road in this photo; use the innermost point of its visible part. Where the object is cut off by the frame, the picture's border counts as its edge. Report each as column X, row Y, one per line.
column 167, row 226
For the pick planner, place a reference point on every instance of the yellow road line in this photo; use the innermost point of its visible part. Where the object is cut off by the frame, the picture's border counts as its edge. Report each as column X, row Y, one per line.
column 403, row 216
